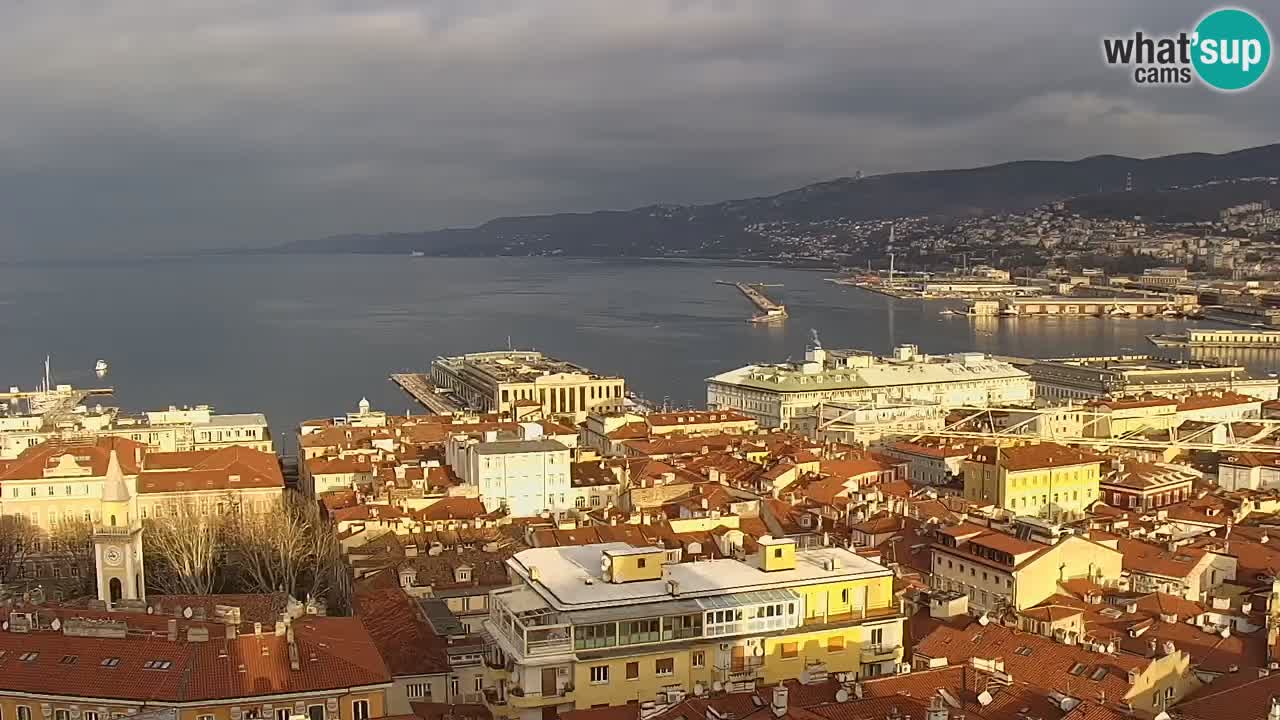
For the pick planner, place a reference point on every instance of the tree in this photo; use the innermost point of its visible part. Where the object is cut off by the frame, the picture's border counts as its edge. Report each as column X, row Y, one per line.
column 291, row 548
column 19, row 541
column 182, row 547
column 71, row 546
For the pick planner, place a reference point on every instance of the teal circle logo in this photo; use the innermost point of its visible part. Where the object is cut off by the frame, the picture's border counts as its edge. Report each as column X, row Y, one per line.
column 1232, row 49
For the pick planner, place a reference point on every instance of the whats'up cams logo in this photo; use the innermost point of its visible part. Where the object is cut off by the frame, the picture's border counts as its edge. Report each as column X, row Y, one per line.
column 1229, row 50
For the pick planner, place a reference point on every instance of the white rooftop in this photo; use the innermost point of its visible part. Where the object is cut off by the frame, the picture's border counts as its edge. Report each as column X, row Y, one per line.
column 563, row 573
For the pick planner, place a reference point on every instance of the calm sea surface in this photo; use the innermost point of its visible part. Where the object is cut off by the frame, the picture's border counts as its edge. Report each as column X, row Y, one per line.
column 308, row 336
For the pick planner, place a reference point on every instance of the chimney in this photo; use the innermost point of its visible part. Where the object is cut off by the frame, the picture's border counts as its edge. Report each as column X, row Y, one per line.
column 938, row 709
column 1274, row 714
column 173, row 629
column 231, row 632
column 779, row 705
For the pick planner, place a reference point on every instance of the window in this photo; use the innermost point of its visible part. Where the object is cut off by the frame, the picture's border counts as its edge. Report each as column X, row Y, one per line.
column 633, row 671
column 455, row 688
column 418, row 690
column 595, row 636
column 877, row 636
column 599, row 674
column 640, row 562
column 69, row 659
column 110, row 662
column 24, row 712
column 790, row 650
column 664, row 666
column 360, row 710
column 1077, row 669
column 1098, row 674
column 314, row 712
column 777, row 552
column 282, row 713
column 61, row 714
column 844, row 596
column 479, row 683
column 1023, row 650
column 90, row 715
column 698, row 659
column 28, row 656
column 157, row 665
column 835, row 643
column 205, row 717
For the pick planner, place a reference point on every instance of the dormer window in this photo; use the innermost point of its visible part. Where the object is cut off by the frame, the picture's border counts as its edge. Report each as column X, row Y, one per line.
column 462, row 574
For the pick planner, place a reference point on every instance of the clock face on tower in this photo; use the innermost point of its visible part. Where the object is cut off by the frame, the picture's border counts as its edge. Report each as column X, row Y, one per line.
column 112, row 555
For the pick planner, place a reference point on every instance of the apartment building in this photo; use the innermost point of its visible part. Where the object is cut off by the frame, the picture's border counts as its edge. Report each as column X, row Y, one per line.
column 57, row 482
column 996, row 570
column 1132, row 485
column 1041, row 479
column 609, row 624
column 498, row 381
column 526, row 473
column 172, row 430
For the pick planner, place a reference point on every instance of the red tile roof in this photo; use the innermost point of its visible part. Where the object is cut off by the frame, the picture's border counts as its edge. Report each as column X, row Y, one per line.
column 1032, row 457
column 334, row 653
column 402, row 635
column 93, row 455
column 230, row 468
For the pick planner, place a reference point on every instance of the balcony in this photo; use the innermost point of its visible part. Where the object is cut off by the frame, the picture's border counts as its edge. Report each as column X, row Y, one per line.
column 493, row 699
column 857, row 616
column 742, row 670
column 524, row 621
column 120, row 531
column 881, row 653
column 520, row 699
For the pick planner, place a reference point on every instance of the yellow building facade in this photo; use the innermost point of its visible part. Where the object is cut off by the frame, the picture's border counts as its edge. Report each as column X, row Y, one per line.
column 1043, row 480
column 608, row 624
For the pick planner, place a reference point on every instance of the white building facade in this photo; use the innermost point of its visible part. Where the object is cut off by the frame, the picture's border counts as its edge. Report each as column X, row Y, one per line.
column 527, row 475
column 776, row 395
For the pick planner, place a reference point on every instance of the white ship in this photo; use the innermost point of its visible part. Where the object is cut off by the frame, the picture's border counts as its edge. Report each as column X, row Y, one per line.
column 101, row 367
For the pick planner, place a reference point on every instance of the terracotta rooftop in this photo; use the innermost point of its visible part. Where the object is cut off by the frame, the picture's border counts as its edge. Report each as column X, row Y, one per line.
column 230, row 468
column 335, row 653
column 1031, row 457
column 92, row 456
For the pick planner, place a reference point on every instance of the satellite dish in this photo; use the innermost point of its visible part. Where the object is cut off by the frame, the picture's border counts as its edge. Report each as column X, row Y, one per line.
column 151, row 609
column 186, row 612
column 842, row 695
column 4, row 626
column 698, row 689
column 606, row 562
column 717, row 686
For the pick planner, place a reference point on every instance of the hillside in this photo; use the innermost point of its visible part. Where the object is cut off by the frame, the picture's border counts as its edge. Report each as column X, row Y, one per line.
column 721, row 229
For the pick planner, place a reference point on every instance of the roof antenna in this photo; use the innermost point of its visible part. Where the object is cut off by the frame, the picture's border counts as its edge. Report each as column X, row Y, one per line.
column 508, row 343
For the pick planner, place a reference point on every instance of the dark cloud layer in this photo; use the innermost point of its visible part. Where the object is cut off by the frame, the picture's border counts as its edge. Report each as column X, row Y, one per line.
column 136, row 125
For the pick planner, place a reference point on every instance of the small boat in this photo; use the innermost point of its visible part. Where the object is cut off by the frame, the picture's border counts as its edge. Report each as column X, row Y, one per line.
column 101, row 367
column 1171, row 312
column 1117, row 311
column 948, row 311
column 417, row 253
column 1008, row 312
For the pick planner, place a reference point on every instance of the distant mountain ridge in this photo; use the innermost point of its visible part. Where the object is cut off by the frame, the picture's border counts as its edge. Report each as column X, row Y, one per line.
column 720, row 229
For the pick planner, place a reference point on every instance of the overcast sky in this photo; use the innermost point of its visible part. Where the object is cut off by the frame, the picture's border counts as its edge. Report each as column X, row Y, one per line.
column 182, row 124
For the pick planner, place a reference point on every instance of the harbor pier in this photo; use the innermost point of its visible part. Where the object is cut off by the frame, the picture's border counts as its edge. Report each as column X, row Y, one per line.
column 769, row 310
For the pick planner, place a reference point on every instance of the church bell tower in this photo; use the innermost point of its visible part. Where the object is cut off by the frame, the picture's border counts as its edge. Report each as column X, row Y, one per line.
column 117, row 540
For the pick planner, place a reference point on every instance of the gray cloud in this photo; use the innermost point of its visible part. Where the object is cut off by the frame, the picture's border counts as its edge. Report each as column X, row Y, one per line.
column 136, row 125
